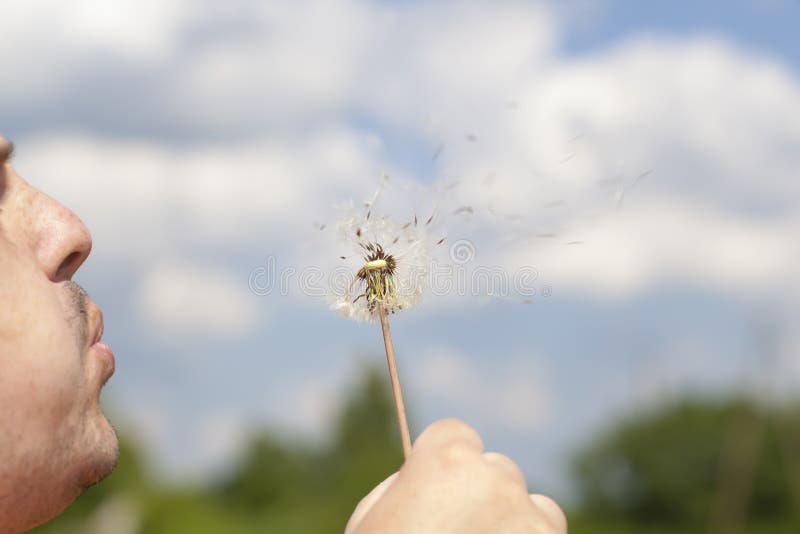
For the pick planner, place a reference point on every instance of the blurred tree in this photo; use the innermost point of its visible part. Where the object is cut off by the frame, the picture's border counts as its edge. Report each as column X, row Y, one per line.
column 190, row 510
column 366, row 445
column 269, row 473
column 665, row 471
column 292, row 487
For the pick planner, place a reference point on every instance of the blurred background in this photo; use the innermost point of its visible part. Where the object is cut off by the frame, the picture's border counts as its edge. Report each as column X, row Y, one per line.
column 636, row 162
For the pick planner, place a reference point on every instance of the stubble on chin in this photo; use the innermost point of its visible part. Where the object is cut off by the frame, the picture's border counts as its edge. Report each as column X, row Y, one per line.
column 102, row 455
column 43, row 492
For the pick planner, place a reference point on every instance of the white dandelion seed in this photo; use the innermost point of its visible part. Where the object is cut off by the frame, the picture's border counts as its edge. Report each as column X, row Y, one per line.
column 393, row 265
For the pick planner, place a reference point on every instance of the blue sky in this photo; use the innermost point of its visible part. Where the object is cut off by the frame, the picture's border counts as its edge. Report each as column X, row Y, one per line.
column 764, row 27
column 197, row 142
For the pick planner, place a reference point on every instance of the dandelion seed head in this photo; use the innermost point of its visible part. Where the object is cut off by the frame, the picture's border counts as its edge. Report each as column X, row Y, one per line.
column 392, row 263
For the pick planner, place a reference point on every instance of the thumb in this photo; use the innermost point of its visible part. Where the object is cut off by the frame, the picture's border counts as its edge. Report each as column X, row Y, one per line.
column 366, row 504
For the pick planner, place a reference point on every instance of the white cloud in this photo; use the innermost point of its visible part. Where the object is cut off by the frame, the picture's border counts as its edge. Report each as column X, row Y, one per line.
column 138, row 30
column 196, row 447
column 708, row 117
column 180, row 300
column 650, row 243
column 248, row 66
column 302, row 60
column 52, row 41
column 307, row 406
column 437, row 67
column 141, row 199
column 219, row 438
column 145, row 419
column 512, row 392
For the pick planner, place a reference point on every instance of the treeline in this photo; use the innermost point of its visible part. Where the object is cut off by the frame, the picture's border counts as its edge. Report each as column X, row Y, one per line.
column 703, row 466
column 697, row 466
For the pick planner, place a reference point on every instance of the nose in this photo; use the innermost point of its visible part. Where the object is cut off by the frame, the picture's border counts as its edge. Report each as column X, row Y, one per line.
column 61, row 241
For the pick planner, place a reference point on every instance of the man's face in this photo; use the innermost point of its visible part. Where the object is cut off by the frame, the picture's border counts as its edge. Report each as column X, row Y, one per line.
column 54, row 439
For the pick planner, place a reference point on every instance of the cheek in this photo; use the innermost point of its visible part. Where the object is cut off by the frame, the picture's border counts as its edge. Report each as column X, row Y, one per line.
column 41, row 365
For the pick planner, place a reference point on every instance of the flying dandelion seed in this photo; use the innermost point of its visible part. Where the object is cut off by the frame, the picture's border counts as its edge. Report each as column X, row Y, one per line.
column 438, row 152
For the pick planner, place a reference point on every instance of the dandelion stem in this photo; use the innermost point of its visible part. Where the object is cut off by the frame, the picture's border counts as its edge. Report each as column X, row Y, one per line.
column 402, row 422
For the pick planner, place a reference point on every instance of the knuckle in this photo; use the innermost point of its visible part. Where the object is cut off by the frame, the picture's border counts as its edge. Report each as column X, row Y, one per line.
column 505, row 468
column 442, row 433
column 456, row 429
column 450, row 424
column 457, row 452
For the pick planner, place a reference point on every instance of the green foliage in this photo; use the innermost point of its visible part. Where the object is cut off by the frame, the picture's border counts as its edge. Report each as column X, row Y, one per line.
column 366, row 439
column 277, row 486
column 270, row 474
column 696, row 466
column 178, row 511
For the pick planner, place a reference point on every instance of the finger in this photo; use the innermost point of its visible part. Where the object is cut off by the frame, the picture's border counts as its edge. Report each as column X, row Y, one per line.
column 505, row 464
column 551, row 511
column 447, row 432
column 366, row 504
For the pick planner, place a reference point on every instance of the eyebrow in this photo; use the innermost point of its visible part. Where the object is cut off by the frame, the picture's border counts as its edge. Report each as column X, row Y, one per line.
column 6, row 151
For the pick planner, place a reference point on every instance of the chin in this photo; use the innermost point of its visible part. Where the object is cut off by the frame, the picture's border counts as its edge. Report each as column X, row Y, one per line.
column 91, row 462
column 102, row 454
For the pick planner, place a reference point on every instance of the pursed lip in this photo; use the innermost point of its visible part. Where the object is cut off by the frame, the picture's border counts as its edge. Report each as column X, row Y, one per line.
column 97, row 324
column 96, row 327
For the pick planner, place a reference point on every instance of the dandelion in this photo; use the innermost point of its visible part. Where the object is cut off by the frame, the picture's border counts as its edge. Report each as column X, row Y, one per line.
column 392, row 270
column 389, row 277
